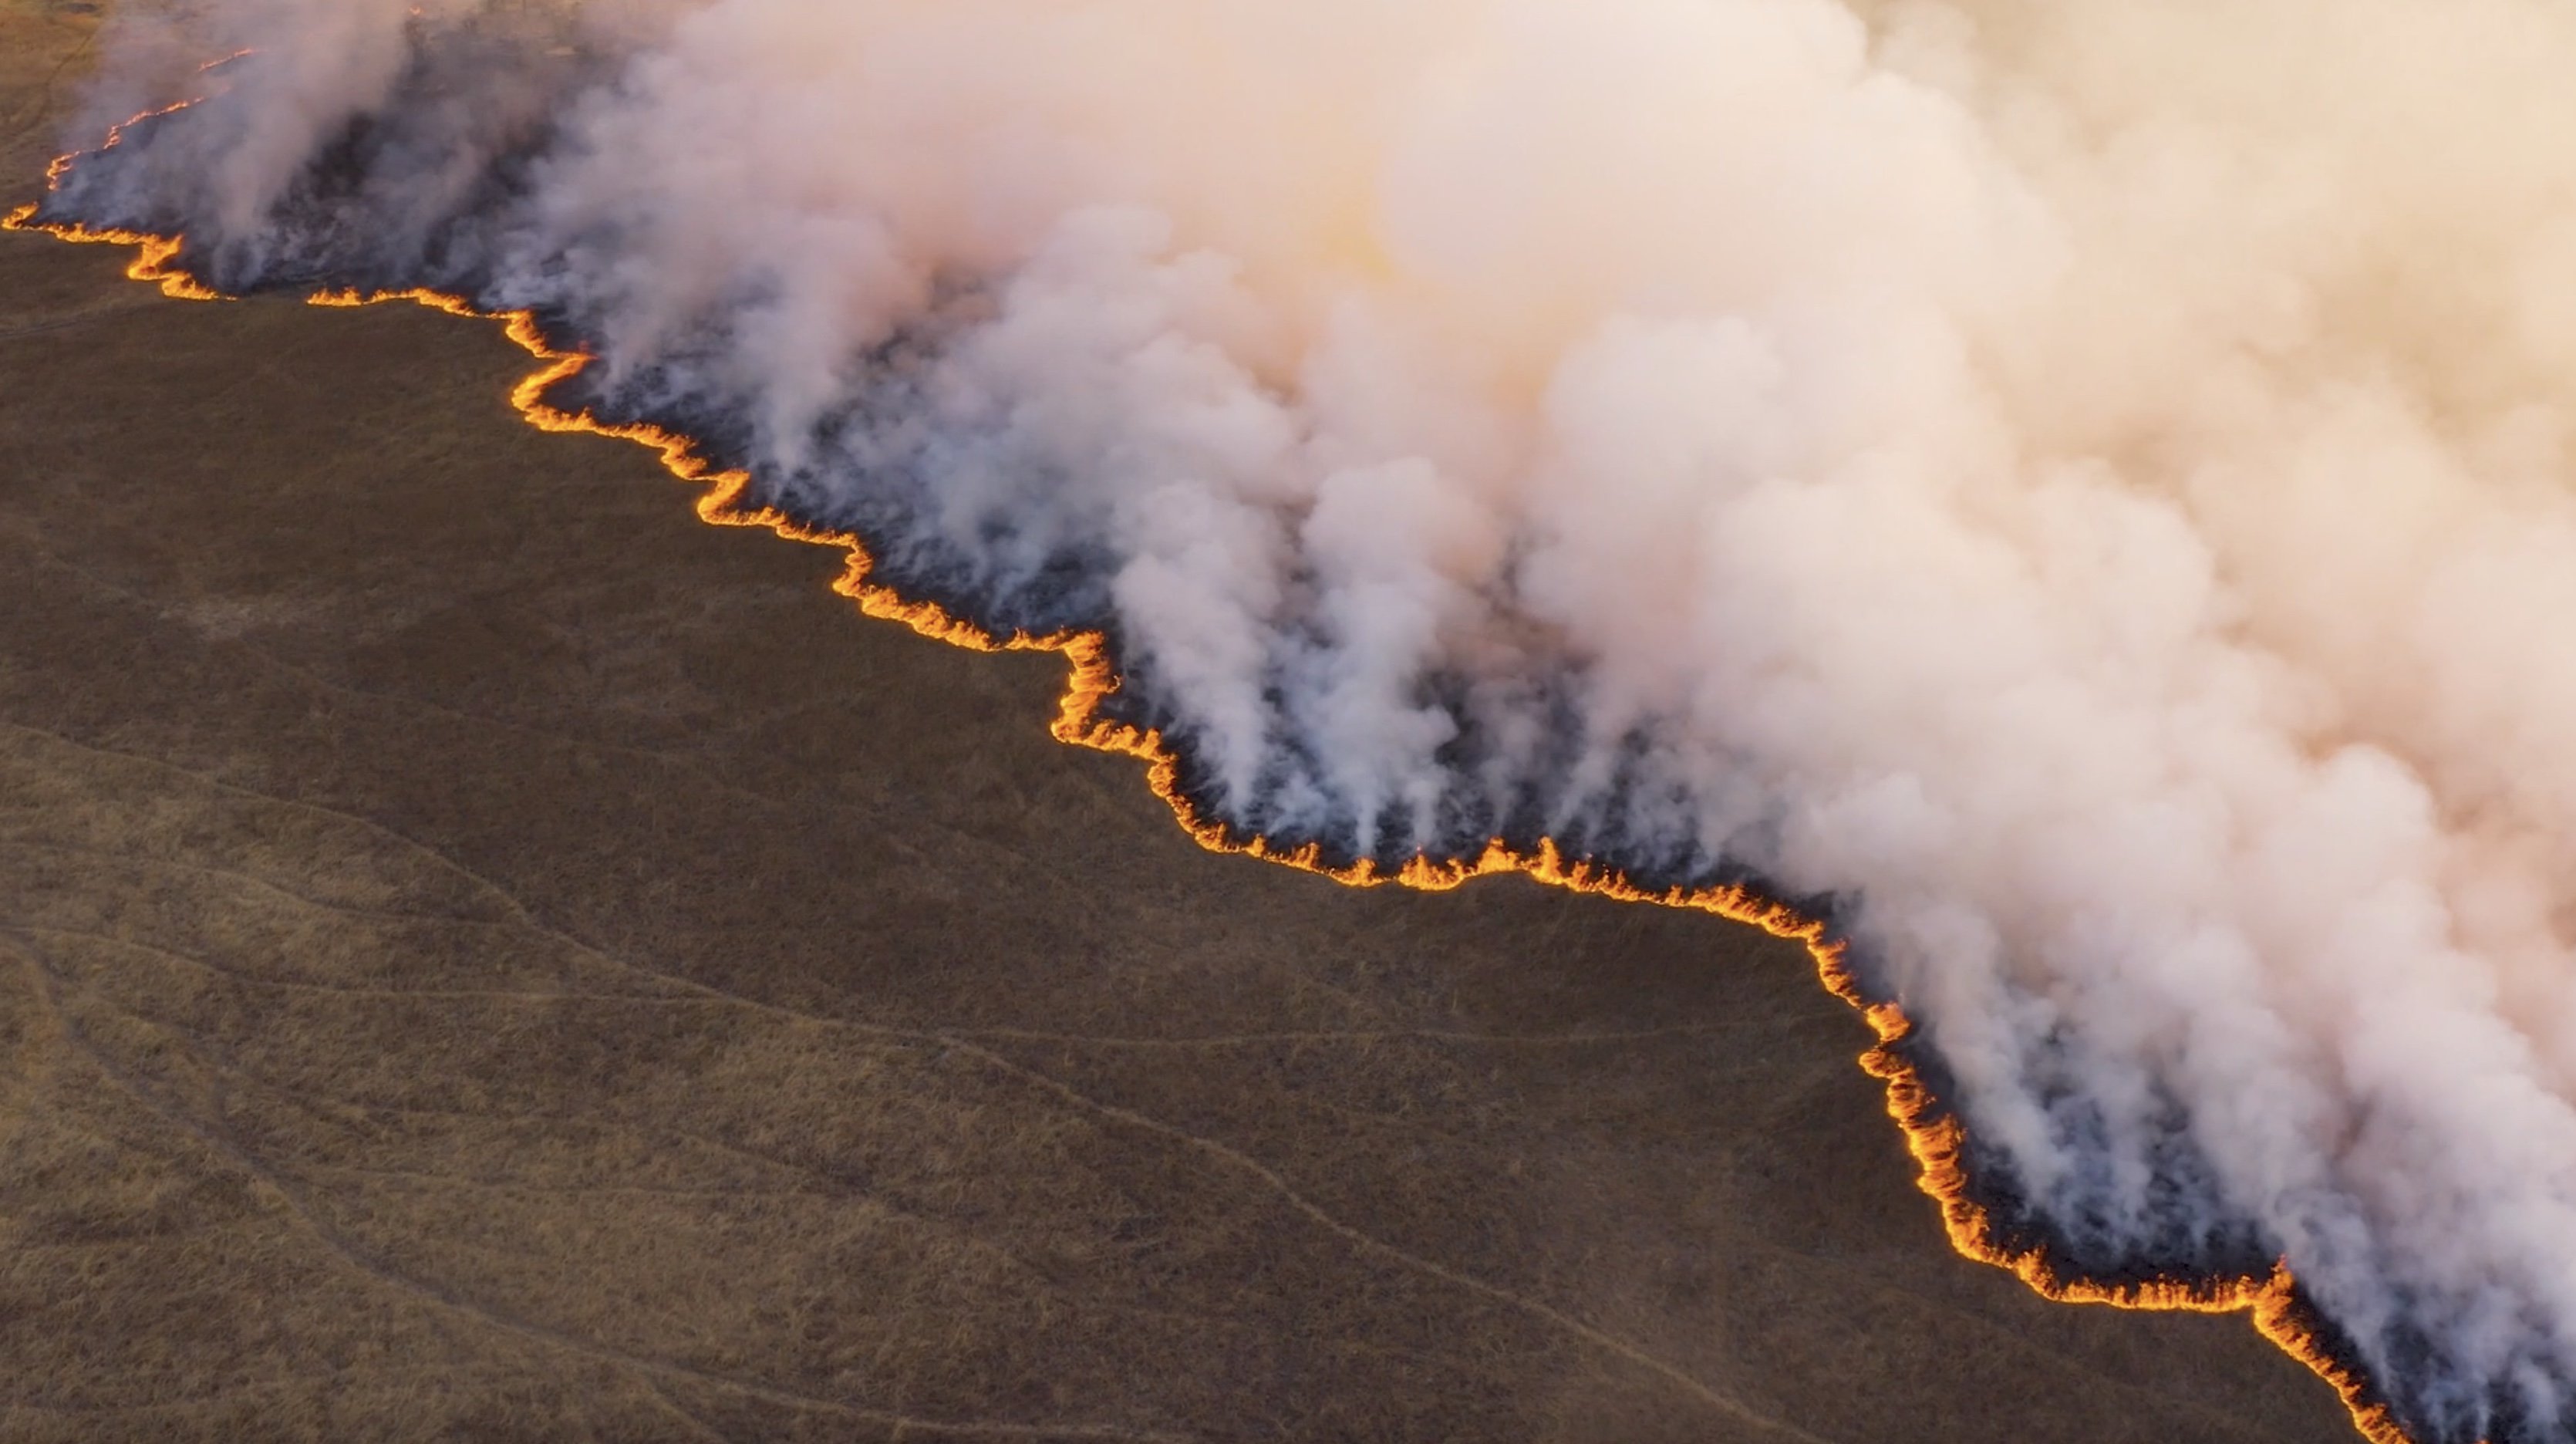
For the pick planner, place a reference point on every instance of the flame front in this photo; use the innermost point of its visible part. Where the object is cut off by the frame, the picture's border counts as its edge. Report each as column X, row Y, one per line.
column 1933, row 1134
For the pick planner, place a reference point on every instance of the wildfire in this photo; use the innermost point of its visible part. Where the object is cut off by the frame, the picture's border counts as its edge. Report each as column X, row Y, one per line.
column 152, row 254
column 1932, row 1133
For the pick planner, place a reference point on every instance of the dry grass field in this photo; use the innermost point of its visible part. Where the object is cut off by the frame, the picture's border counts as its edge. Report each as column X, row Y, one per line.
column 485, row 956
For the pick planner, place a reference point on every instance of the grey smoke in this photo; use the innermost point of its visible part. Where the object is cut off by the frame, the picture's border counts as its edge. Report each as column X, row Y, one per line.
column 2085, row 485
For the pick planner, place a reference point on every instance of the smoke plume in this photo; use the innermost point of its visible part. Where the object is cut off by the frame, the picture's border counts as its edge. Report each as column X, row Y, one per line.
column 2080, row 490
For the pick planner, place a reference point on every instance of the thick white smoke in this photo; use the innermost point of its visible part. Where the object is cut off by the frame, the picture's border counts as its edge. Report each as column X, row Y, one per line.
column 2087, row 484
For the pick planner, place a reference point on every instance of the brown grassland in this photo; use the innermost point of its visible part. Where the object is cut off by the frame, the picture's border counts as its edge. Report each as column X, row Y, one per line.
column 486, row 956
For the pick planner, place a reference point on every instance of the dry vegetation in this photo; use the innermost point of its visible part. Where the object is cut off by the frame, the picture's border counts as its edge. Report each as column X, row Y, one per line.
column 485, row 956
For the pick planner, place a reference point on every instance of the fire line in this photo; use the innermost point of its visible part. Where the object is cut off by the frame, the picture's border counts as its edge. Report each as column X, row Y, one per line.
column 1933, row 1134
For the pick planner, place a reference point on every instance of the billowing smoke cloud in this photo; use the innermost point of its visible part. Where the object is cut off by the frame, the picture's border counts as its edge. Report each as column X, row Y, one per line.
column 2083, row 486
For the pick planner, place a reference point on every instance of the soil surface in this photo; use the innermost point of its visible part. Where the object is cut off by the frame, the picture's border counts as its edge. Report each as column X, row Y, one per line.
column 484, row 955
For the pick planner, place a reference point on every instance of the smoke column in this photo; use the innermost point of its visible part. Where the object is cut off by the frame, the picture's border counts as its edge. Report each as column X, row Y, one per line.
column 2079, row 491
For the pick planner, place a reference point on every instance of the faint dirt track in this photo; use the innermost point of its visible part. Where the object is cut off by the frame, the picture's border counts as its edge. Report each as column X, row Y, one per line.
column 484, row 956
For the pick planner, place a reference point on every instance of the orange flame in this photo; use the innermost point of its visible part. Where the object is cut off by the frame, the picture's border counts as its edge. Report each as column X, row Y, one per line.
column 1932, row 1133
column 153, row 254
